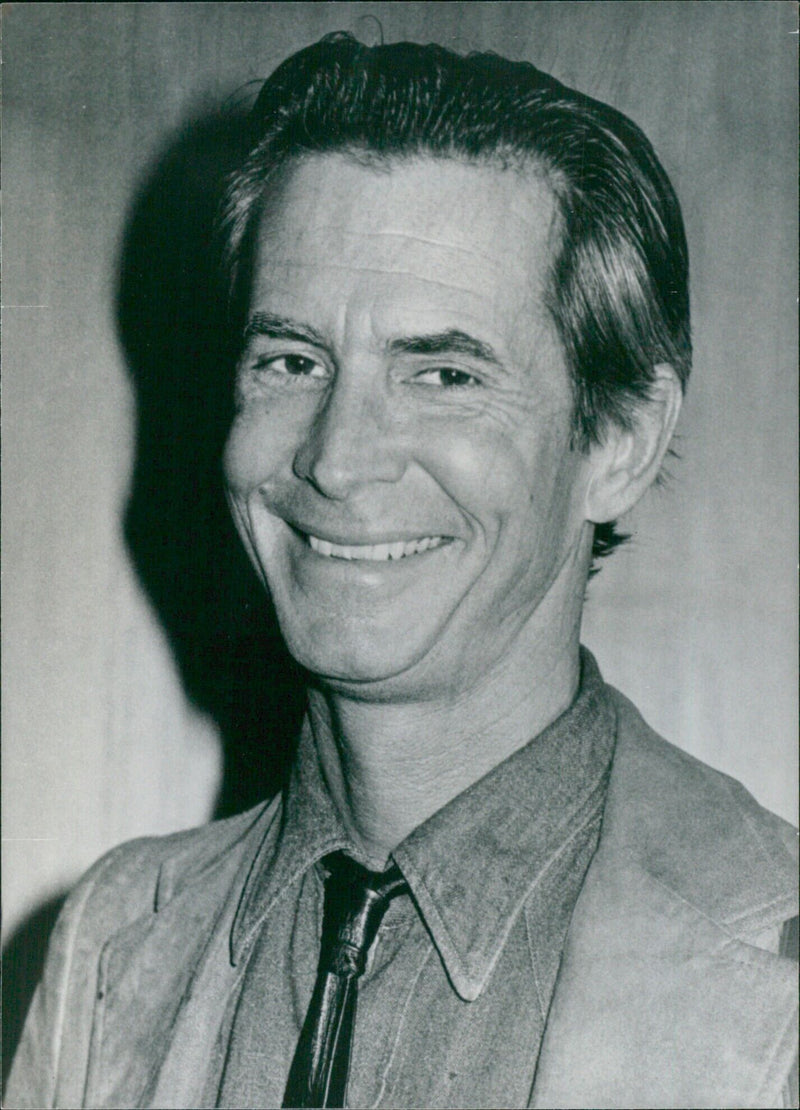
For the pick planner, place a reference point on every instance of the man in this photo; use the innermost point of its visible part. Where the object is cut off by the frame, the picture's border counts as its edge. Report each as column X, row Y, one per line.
column 463, row 292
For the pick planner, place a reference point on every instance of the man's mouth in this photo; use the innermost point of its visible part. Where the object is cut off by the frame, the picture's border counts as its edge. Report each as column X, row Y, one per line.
column 377, row 552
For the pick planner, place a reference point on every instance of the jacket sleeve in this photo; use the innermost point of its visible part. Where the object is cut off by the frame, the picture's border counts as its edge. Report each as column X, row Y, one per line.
column 50, row 1064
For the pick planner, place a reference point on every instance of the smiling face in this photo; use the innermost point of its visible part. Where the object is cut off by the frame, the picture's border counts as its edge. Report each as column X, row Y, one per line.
column 399, row 467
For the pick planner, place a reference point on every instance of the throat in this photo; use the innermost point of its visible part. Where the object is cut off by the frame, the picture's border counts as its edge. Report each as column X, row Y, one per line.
column 390, row 767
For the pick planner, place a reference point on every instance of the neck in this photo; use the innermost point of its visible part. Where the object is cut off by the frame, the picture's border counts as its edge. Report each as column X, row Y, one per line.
column 389, row 765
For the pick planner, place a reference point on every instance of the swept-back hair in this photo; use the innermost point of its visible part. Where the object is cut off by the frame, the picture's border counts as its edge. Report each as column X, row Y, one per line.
column 618, row 289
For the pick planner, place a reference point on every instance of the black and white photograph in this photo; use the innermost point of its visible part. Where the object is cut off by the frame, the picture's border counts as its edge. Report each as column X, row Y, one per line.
column 400, row 546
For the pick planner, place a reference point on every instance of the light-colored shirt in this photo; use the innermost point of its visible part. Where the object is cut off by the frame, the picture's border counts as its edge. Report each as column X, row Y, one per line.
column 452, row 1006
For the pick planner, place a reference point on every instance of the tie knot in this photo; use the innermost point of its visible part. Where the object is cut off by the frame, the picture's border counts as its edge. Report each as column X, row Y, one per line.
column 355, row 902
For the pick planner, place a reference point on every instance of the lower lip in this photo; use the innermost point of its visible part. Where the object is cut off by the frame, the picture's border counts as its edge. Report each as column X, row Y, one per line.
column 366, row 565
column 377, row 562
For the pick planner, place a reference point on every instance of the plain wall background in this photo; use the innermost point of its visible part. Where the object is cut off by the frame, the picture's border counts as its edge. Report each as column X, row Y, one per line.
column 695, row 620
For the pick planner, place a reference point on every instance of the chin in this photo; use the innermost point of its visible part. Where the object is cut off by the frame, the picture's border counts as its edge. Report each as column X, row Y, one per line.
column 363, row 659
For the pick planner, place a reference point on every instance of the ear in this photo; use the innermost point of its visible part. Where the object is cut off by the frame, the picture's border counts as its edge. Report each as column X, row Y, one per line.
column 629, row 459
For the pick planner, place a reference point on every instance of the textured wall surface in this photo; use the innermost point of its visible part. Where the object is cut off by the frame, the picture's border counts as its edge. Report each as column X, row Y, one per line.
column 113, row 725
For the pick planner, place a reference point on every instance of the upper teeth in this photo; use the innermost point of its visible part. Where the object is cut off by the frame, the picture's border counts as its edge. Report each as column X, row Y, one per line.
column 379, row 552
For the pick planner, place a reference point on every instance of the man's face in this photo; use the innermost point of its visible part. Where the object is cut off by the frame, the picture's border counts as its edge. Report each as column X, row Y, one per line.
column 399, row 467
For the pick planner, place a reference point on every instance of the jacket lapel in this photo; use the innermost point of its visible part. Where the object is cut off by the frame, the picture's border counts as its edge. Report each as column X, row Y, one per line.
column 161, row 980
column 659, row 1001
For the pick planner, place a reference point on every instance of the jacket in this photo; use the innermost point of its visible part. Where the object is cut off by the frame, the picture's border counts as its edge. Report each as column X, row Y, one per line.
column 671, row 991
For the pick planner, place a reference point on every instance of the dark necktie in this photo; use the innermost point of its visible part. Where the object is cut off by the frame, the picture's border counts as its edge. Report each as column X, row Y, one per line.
column 355, row 902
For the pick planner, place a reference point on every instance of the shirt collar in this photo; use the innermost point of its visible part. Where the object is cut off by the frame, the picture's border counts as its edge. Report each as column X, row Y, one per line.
column 473, row 864
column 309, row 827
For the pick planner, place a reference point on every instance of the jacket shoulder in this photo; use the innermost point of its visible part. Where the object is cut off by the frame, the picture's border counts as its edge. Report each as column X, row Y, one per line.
column 130, row 879
column 672, row 954
column 700, row 832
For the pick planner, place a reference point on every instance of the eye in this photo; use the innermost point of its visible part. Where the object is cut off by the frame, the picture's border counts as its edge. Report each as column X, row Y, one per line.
column 447, row 377
column 294, row 365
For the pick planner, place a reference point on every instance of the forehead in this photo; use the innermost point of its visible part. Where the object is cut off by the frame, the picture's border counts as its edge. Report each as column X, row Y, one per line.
column 436, row 237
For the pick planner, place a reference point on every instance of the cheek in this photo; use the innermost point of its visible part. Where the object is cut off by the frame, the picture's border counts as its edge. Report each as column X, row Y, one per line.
column 499, row 477
column 254, row 451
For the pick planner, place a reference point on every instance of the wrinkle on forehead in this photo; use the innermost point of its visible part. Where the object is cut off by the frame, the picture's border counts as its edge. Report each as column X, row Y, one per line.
column 376, row 271
column 468, row 249
column 526, row 193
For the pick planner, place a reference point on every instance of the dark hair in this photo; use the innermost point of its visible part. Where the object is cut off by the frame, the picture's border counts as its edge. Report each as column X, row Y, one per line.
column 618, row 290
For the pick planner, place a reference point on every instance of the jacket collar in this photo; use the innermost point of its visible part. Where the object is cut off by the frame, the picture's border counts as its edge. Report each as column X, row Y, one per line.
column 473, row 864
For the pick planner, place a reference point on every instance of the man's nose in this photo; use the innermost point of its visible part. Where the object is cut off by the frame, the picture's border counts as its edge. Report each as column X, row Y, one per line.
column 351, row 443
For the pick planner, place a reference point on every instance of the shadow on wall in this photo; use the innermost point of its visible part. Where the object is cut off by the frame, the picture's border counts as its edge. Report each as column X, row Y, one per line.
column 23, row 961
column 174, row 330
column 178, row 341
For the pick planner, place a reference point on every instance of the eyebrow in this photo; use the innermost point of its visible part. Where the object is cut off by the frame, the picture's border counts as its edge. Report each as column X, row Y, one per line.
column 281, row 327
column 450, row 342
column 453, row 341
